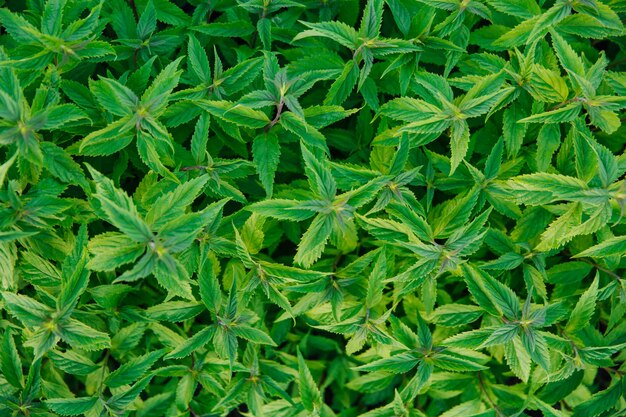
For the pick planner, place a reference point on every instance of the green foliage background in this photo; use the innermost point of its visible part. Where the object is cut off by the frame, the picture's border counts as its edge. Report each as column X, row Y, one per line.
column 312, row 208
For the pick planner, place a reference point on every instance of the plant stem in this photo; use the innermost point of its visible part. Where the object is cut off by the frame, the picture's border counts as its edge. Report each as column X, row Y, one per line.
column 279, row 111
column 603, row 269
column 104, row 367
column 193, row 167
column 481, row 385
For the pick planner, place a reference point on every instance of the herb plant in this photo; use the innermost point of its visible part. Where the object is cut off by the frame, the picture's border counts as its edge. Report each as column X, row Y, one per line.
column 323, row 208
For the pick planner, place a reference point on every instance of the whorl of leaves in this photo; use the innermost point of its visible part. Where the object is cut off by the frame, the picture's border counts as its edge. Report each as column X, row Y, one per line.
column 287, row 208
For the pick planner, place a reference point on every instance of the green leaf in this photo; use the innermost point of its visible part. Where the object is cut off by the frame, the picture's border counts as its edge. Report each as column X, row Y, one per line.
column 108, row 140
column 319, row 175
column 210, row 291
column 457, row 314
column 61, row 165
column 309, row 392
column 123, row 399
column 524, row 9
column 314, row 240
column 30, row 312
column 548, row 86
column 235, row 113
column 569, row 60
column 237, row 28
column 81, row 336
column 548, row 141
column 397, row 364
column 337, row 31
column 192, row 344
column 253, row 335
column 155, row 98
column 113, row 96
column 563, row 114
column 10, row 362
column 541, row 188
column 600, row 402
column 200, row 138
column 518, row 358
column 172, row 205
column 112, row 250
column 132, row 370
column 120, row 209
column 57, row 116
column 584, row 309
column 512, row 131
column 343, row 85
column 501, row 335
column 459, row 143
column 478, row 289
column 147, row 22
column 456, row 363
column 175, row 311
column 4, row 168
column 610, row 247
column 376, row 281
column 71, row 406
column 72, row 362
column 19, row 28
column 557, row 233
column 74, row 277
column 309, row 135
column 173, row 276
column 266, row 152
column 283, row 209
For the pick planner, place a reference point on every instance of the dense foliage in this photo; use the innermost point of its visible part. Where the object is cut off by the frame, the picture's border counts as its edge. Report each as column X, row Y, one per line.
column 312, row 208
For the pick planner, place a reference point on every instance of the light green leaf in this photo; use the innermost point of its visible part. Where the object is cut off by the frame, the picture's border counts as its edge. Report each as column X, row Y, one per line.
column 584, row 309
column 71, row 406
column 610, row 247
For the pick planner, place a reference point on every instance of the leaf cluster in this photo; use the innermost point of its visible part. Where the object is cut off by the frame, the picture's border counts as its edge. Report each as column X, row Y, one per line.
column 337, row 208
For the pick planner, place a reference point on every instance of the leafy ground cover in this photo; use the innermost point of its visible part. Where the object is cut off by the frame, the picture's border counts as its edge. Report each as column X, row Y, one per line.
column 312, row 208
